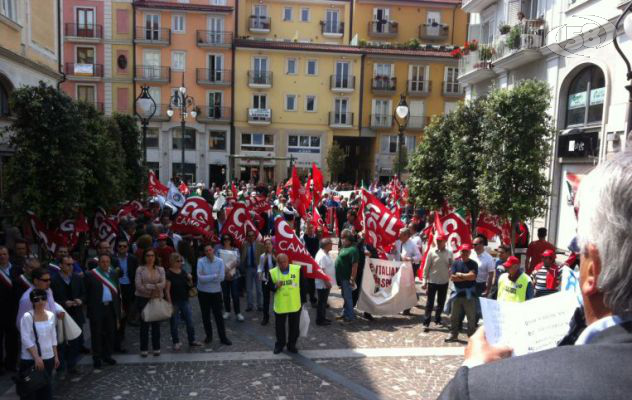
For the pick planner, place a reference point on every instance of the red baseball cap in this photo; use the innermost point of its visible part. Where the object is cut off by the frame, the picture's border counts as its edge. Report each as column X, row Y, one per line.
column 548, row 253
column 466, row 246
column 442, row 237
column 163, row 236
column 511, row 261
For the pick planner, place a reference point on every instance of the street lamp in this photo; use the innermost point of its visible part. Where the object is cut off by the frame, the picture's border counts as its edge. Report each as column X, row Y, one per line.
column 401, row 117
column 183, row 102
column 145, row 110
column 627, row 28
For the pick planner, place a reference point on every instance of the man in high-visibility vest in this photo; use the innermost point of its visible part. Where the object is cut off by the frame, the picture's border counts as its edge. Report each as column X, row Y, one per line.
column 289, row 287
column 514, row 285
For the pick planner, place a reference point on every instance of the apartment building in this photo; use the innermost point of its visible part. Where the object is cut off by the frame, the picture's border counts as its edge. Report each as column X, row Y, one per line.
column 187, row 44
column 567, row 43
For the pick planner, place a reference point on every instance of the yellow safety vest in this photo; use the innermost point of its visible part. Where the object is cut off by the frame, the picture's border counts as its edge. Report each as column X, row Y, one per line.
column 287, row 298
column 513, row 291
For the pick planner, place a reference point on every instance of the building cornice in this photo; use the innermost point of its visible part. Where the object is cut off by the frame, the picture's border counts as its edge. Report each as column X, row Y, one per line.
column 29, row 63
column 163, row 5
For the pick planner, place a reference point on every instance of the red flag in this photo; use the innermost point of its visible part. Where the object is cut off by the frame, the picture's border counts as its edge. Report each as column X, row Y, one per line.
column 258, row 204
column 131, row 208
column 184, row 189
column 430, row 232
column 397, row 210
column 317, row 177
column 457, row 229
column 237, row 224
column 286, row 242
column 380, row 225
column 308, row 193
column 279, row 190
column 233, row 189
column 104, row 227
column 317, row 220
column 155, row 187
column 298, row 195
column 70, row 229
column 195, row 218
column 437, row 225
column 489, row 225
column 49, row 238
column 296, row 185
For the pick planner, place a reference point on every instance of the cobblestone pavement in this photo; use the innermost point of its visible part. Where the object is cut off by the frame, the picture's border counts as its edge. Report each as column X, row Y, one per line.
column 326, row 369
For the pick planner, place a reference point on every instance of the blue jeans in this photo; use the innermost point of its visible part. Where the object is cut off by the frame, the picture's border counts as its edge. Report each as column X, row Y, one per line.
column 253, row 284
column 182, row 309
column 347, row 311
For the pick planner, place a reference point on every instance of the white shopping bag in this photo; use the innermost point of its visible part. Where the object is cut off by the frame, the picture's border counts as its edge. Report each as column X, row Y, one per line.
column 304, row 323
column 67, row 329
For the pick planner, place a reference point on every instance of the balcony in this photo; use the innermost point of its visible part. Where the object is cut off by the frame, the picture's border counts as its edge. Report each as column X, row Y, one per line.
column 476, row 6
column 476, row 66
column 381, row 121
column 434, row 32
column 524, row 49
column 214, row 114
column 161, row 113
column 151, row 73
column 152, row 37
column 332, row 29
column 260, row 79
column 384, row 84
column 206, row 39
column 213, row 77
column 453, row 89
column 81, row 71
column 418, row 88
column 383, row 29
column 341, row 83
column 259, row 116
column 417, row 122
column 83, row 33
column 259, row 24
column 340, row 120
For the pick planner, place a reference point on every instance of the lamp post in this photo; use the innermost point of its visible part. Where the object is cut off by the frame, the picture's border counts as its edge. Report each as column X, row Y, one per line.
column 182, row 102
column 145, row 110
column 627, row 27
column 401, row 117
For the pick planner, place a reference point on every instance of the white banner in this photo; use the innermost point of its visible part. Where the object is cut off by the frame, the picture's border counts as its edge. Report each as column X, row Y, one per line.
column 388, row 287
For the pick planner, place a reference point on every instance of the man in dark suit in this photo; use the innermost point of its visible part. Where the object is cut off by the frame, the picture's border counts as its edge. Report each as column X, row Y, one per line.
column 127, row 264
column 251, row 251
column 104, row 309
column 9, row 298
column 598, row 364
column 69, row 292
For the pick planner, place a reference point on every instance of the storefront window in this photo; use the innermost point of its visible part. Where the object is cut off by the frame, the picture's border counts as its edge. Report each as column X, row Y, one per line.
column 586, row 96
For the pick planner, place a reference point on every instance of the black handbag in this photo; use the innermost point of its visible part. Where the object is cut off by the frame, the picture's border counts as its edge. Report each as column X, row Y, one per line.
column 31, row 380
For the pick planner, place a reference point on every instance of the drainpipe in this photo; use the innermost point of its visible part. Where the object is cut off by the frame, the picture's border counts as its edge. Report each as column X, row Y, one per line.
column 231, row 160
column 351, row 21
column 60, row 47
column 134, row 59
column 454, row 24
column 361, row 93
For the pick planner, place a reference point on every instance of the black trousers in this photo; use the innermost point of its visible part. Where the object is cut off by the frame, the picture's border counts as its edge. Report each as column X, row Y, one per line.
column 230, row 291
column 127, row 303
column 45, row 393
column 265, row 291
column 440, row 291
column 293, row 319
column 321, row 312
column 311, row 290
column 212, row 302
column 9, row 342
column 144, row 329
column 103, row 332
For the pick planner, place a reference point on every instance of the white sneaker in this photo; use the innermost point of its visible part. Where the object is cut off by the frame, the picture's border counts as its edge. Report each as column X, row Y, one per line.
column 240, row 317
column 225, row 315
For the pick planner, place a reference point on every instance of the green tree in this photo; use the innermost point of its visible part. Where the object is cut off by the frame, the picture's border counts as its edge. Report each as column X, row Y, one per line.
column 515, row 150
column 336, row 159
column 133, row 154
column 428, row 164
column 463, row 169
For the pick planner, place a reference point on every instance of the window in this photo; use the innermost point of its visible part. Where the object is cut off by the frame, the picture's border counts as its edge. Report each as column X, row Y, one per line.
column 152, row 137
column 310, row 103
column 287, row 13
column 417, row 77
column 291, row 66
column 586, row 97
column 381, row 116
column 290, row 102
column 178, row 60
column 152, row 27
column 332, row 20
column 215, row 100
column 218, row 2
column 451, row 84
column 189, row 138
column 86, row 93
column 8, row 8
column 303, row 144
column 217, row 140
column 189, row 171
column 304, row 14
column 312, row 67
column 389, row 144
column 342, row 116
column 392, row 144
column 257, row 142
column 5, row 92
column 178, row 23
column 259, row 101
column 85, row 55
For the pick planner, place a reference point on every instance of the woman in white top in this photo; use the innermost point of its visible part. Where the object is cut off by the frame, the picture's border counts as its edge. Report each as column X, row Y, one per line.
column 45, row 357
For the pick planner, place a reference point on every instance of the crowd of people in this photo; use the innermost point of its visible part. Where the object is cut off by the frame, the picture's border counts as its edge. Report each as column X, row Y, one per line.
column 149, row 263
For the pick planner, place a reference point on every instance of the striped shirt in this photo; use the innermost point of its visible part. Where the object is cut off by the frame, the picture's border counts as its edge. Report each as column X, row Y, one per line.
column 539, row 279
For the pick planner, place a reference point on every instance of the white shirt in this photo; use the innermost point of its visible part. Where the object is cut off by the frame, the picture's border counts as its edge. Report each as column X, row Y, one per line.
column 408, row 249
column 597, row 327
column 327, row 265
column 418, row 242
column 46, row 335
column 486, row 265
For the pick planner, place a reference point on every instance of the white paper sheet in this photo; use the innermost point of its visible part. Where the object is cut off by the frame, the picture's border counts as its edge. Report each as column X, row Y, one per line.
column 534, row 325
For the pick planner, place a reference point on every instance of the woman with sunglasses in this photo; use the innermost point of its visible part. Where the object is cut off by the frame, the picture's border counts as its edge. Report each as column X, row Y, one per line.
column 230, row 286
column 178, row 284
column 39, row 342
column 150, row 284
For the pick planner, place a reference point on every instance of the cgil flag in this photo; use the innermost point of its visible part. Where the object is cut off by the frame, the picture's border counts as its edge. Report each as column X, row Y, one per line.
column 155, row 187
column 380, row 224
column 238, row 223
column 195, row 218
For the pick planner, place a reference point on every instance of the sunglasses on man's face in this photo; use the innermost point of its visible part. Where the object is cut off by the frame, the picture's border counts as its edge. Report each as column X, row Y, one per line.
column 37, row 299
column 44, row 280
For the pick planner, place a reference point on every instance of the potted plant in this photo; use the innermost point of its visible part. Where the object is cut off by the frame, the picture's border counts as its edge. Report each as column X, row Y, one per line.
column 486, row 53
column 504, row 29
column 513, row 38
column 472, row 45
column 457, row 53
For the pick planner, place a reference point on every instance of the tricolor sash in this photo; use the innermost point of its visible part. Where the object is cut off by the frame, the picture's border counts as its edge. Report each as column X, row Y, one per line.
column 55, row 267
column 105, row 279
column 26, row 282
column 6, row 280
